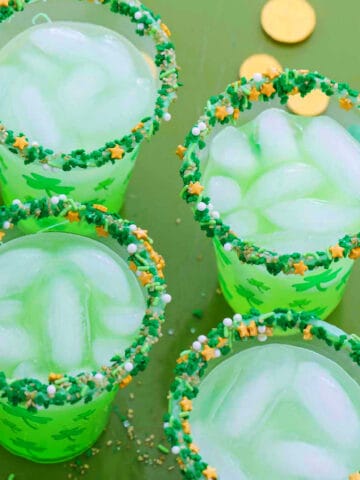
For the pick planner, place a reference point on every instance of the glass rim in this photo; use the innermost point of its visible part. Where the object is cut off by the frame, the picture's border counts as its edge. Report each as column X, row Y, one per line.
column 146, row 23
column 193, row 363
column 146, row 264
column 225, row 109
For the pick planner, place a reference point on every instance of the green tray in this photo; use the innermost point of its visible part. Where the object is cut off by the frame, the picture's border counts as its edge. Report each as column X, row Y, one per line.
column 212, row 38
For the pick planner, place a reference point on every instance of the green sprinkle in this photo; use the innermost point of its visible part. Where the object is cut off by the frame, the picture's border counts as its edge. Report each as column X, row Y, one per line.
column 163, row 449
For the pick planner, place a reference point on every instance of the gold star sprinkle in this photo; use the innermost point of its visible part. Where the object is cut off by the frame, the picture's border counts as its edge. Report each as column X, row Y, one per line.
column 268, row 89
column 252, row 329
column 137, row 127
column 125, row 382
column 355, row 253
column 195, row 188
column 307, row 335
column 337, row 251
column 300, row 268
column 180, row 151
column 21, row 143
column 54, row 376
column 222, row 342
column 186, row 404
column 243, row 330
column 194, row 448
column 273, row 72
column 186, row 427
column 117, row 152
column 208, row 353
column 221, row 113
column 4, row 3
column 101, row 232
column 210, row 473
column 346, row 103
column 73, row 216
column 140, row 234
column 254, row 94
column 145, row 278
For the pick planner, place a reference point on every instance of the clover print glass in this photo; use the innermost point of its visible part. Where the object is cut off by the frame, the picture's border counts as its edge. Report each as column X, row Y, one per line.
column 77, row 320
column 278, row 192
column 275, row 396
column 82, row 86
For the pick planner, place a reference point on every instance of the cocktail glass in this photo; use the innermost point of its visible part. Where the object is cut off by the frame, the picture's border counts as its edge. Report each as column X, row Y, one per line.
column 264, row 395
column 56, row 416
column 250, row 274
column 29, row 170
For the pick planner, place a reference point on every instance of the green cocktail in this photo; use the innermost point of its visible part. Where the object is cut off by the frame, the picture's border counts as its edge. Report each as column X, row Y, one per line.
column 82, row 86
column 268, row 396
column 277, row 191
column 76, row 322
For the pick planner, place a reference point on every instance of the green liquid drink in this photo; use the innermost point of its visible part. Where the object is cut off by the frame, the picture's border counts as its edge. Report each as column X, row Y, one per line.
column 75, row 324
column 277, row 191
column 285, row 406
column 77, row 98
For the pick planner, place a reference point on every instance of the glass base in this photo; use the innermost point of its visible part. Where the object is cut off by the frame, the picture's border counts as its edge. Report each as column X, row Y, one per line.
column 57, row 434
column 251, row 286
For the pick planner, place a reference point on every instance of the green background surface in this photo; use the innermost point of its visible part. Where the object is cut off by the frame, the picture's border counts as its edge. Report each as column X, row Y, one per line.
column 212, row 38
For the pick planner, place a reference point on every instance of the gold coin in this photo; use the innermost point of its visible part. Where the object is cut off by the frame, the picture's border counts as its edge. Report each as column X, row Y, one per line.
column 259, row 63
column 288, row 21
column 314, row 103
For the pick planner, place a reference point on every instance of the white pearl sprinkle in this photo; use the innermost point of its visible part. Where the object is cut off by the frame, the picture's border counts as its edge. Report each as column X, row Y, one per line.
column 62, row 197
column 132, row 227
column 202, row 126
column 132, row 248
column 227, row 247
column 237, row 317
column 6, row 225
column 201, row 206
column 257, row 77
column 196, row 131
column 16, row 202
column 51, row 390
column 262, row 329
column 35, row 144
column 167, row 117
column 55, row 200
column 262, row 337
column 138, row 15
column 230, row 110
column 129, row 366
column 166, row 425
column 202, row 338
column 227, row 322
column 196, row 346
column 99, row 376
column 175, row 450
column 217, row 353
column 215, row 214
column 166, row 298
column 140, row 26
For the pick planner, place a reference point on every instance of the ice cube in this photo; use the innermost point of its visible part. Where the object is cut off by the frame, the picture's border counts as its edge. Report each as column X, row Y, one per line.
column 225, row 193
column 68, row 327
column 315, row 216
column 243, row 222
column 277, row 137
column 117, row 55
column 105, row 348
column 300, row 460
column 329, row 404
column 15, row 345
column 231, row 154
column 336, row 152
column 122, row 320
column 104, row 272
column 289, row 181
column 9, row 310
column 250, row 397
column 21, row 267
